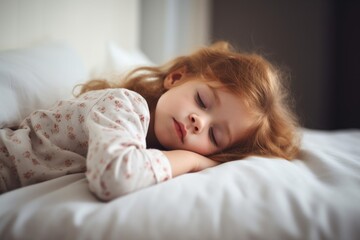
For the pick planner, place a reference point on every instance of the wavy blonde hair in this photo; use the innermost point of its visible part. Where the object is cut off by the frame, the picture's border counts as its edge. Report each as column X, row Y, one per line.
column 274, row 132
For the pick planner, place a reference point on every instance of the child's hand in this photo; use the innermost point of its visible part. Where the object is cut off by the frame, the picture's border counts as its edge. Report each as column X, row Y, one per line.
column 183, row 161
column 203, row 162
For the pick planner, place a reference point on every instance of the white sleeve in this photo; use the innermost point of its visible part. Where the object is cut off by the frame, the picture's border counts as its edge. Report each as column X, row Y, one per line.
column 118, row 161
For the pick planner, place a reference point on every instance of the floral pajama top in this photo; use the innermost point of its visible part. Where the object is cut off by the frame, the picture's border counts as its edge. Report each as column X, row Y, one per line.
column 101, row 133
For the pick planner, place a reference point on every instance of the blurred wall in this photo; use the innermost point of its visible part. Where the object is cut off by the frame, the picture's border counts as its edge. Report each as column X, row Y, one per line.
column 170, row 28
column 316, row 41
column 85, row 25
column 346, row 89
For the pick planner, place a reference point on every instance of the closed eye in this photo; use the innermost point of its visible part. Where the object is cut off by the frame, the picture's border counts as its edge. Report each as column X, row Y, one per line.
column 212, row 137
column 199, row 101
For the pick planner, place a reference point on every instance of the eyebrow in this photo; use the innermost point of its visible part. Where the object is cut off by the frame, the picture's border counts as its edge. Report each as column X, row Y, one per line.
column 218, row 102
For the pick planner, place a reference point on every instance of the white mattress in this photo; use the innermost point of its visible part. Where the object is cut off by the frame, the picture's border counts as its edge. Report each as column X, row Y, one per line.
column 314, row 197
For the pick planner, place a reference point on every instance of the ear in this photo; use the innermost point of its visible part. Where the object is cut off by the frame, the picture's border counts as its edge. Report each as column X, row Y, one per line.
column 174, row 77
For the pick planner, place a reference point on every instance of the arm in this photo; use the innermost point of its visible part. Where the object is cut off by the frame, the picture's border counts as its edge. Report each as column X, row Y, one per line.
column 117, row 161
column 183, row 161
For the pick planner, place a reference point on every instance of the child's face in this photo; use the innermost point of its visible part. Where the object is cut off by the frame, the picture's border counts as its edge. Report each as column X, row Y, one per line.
column 194, row 115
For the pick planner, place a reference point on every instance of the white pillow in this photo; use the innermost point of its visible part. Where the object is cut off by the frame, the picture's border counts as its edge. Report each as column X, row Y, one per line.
column 36, row 78
column 121, row 60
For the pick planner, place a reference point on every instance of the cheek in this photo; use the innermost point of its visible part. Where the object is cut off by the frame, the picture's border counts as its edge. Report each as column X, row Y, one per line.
column 202, row 147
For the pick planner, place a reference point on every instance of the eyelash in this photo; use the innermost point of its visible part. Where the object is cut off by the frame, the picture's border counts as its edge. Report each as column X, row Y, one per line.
column 200, row 101
column 201, row 104
column 212, row 137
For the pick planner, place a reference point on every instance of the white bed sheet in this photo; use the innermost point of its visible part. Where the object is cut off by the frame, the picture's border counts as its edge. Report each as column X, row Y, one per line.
column 314, row 197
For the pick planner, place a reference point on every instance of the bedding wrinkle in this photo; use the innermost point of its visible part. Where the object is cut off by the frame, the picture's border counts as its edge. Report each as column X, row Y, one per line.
column 256, row 198
column 333, row 163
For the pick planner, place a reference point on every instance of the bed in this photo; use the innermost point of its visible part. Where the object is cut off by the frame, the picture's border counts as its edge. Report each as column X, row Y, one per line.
column 315, row 196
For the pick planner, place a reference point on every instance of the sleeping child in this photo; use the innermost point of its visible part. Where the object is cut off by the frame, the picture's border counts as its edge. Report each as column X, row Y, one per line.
column 194, row 112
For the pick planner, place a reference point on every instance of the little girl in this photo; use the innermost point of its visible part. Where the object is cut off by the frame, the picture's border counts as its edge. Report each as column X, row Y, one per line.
column 192, row 113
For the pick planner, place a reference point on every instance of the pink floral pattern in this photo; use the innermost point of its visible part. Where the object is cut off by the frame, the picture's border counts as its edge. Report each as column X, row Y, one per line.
column 101, row 133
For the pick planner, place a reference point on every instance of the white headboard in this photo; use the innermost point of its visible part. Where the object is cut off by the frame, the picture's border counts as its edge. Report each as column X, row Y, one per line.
column 87, row 25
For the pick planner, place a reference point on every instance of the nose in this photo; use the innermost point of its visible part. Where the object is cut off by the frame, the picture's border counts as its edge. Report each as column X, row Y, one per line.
column 197, row 123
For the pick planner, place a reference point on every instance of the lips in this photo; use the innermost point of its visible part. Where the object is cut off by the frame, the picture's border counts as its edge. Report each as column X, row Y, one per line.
column 180, row 130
